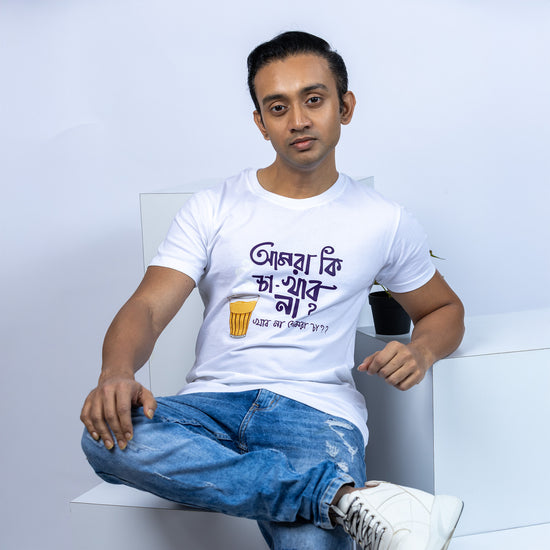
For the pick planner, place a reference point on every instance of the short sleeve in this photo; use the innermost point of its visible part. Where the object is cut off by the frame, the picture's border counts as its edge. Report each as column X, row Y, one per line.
column 185, row 246
column 408, row 264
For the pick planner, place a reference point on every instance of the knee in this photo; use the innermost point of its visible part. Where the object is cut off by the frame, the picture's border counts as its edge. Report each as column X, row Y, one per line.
column 118, row 462
column 103, row 461
column 87, row 442
column 95, row 451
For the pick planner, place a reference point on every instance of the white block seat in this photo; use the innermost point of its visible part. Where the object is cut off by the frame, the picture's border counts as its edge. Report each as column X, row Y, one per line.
column 122, row 517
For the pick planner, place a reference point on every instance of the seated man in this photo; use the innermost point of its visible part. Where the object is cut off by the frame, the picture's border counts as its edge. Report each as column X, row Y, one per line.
column 270, row 425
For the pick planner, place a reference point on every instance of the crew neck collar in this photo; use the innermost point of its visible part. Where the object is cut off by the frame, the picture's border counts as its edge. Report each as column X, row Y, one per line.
column 297, row 204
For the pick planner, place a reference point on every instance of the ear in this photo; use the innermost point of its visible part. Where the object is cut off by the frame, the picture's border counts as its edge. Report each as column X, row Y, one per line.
column 348, row 106
column 260, row 124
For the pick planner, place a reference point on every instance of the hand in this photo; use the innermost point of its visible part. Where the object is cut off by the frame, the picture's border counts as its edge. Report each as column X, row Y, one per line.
column 402, row 366
column 109, row 406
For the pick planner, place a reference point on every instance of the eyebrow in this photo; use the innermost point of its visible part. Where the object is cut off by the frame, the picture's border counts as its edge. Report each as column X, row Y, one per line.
column 306, row 90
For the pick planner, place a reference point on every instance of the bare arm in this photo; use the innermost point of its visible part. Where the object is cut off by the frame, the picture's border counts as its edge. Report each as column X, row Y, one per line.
column 438, row 317
column 128, row 344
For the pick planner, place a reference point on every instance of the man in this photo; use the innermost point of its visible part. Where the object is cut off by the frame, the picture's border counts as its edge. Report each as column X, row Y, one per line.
column 270, row 425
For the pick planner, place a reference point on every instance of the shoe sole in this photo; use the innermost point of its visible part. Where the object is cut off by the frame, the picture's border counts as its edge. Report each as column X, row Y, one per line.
column 446, row 512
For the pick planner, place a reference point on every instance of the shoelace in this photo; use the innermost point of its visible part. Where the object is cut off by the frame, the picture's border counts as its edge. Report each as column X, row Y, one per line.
column 362, row 525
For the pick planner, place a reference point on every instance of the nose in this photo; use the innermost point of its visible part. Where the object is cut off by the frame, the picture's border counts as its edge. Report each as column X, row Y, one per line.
column 299, row 120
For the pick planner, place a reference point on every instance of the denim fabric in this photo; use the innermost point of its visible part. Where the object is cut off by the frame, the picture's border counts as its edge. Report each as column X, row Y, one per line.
column 252, row 454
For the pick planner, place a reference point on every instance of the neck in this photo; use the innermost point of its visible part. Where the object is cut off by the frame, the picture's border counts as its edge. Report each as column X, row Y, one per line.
column 297, row 184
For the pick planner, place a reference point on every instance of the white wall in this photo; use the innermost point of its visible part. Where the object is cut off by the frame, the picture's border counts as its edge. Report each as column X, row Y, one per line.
column 102, row 100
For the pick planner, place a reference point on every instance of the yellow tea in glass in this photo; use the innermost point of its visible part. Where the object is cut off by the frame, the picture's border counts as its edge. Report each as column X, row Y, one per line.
column 241, row 307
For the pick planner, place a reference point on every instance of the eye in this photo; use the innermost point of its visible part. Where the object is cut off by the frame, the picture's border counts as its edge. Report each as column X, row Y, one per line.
column 314, row 100
column 277, row 109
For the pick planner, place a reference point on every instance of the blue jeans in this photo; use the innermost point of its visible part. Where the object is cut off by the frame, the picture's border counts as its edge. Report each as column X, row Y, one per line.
column 252, row 454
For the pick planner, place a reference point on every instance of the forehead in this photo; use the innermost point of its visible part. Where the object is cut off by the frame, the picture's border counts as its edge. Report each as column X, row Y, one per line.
column 292, row 74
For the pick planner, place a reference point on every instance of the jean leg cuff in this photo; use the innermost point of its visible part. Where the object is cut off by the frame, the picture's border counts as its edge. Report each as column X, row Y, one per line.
column 328, row 496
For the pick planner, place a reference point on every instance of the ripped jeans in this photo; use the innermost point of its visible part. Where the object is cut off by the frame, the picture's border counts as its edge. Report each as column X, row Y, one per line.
column 253, row 454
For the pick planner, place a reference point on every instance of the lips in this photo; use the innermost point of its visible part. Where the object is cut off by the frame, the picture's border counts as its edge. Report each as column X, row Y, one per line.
column 302, row 143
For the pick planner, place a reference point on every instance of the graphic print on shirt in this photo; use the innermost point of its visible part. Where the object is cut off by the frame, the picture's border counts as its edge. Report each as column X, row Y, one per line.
column 296, row 295
column 241, row 307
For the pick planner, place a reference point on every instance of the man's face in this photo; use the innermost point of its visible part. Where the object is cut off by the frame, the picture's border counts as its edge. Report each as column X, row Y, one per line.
column 300, row 110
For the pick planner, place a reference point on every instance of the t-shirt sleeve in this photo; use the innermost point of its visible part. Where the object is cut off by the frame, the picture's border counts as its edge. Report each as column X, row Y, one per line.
column 185, row 246
column 408, row 264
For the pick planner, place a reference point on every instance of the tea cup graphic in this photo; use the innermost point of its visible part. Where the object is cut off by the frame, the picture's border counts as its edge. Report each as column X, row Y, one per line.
column 241, row 307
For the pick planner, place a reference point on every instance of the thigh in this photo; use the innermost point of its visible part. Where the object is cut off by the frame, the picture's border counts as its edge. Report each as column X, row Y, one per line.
column 180, row 441
column 307, row 437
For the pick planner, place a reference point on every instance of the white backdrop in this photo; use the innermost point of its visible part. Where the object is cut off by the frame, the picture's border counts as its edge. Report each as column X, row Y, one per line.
column 101, row 100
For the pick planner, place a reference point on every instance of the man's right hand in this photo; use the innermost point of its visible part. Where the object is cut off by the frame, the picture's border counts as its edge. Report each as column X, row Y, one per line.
column 107, row 410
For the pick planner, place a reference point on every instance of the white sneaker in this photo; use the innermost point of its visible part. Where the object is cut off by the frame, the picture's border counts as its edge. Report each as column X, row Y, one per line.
column 383, row 516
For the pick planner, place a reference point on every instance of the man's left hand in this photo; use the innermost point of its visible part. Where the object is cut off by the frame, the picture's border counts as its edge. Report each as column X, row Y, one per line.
column 401, row 365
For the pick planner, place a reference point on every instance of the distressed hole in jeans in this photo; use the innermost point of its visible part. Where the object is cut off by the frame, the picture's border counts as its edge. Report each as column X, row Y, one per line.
column 343, row 466
column 334, row 424
column 332, row 450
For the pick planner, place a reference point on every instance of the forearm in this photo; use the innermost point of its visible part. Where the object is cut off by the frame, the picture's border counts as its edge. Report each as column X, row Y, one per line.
column 438, row 317
column 439, row 333
column 128, row 345
column 129, row 341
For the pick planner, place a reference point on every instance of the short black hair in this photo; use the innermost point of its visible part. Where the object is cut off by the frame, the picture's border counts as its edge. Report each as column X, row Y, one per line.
column 294, row 43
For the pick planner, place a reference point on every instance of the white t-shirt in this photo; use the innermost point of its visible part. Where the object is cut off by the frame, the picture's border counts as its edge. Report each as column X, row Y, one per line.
column 304, row 267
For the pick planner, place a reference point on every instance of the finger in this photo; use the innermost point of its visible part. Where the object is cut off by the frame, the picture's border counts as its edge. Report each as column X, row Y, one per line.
column 111, row 406
column 398, row 368
column 400, row 374
column 412, row 380
column 122, row 420
column 149, row 403
column 407, row 383
column 382, row 359
column 100, row 426
column 367, row 362
column 403, row 358
column 141, row 396
column 86, row 419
